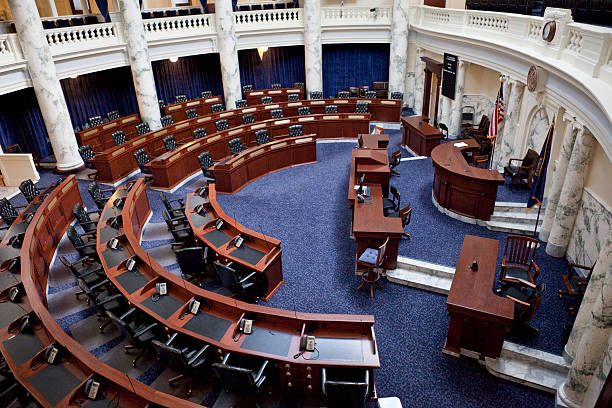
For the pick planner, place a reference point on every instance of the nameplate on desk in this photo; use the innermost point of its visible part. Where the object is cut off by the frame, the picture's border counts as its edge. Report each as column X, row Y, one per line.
column 118, row 152
column 193, row 147
column 126, row 120
column 294, row 104
column 304, row 140
column 91, row 132
column 52, row 204
column 175, row 157
column 206, row 119
column 139, row 189
column 356, row 117
column 176, row 107
column 238, row 162
column 226, row 114
column 317, row 102
column 270, row 106
column 67, row 186
column 364, row 100
column 235, row 131
column 282, row 122
column 32, row 245
column 293, row 91
column 161, row 132
column 211, row 100
column 258, row 126
column 278, row 145
column 213, row 139
column 306, row 119
column 248, row 110
column 256, row 153
column 110, row 125
column 39, row 224
column 274, row 92
column 193, row 103
column 384, row 102
column 331, row 117
column 181, row 126
column 460, row 144
column 341, row 101
column 139, row 141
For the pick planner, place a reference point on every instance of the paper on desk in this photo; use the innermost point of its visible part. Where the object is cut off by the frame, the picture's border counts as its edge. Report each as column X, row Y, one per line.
column 460, row 144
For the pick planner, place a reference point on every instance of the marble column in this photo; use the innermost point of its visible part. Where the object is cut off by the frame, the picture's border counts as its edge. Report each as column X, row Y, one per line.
column 569, row 138
column 46, row 84
column 592, row 347
column 228, row 53
column 571, row 195
column 140, row 63
column 419, row 81
column 313, row 51
column 445, row 110
column 454, row 127
column 506, row 143
column 599, row 377
column 603, row 264
column 399, row 46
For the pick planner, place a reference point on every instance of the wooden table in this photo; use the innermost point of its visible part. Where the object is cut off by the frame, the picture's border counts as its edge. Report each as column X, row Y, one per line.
column 479, row 319
column 375, row 141
column 278, row 95
column 461, row 188
column 250, row 164
column 201, row 105
column 419, row 135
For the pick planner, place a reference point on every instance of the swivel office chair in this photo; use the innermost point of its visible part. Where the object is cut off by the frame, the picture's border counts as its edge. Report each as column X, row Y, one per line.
column 345, row 387
column 95, row 121
column 217, row 107
column 8, row 212
column 99, row 195
column 85, row 248
column 247, row 88
column 296, row 130
column 113, row 115
column 293, row 97
column 331, row 108
column 191, row 113
column 206, row 162
column 118, row 137
column 29, row 190
column 167, row 120
column 206, row 94
column 361, row 107
column 262, row 136
column 396, row 95
column 174, row 211
column 222, row 124
column 199, row 133
column 84, row 219
column 266, row 99
column 276, row 114
column 248, row 119
column 304, row 110
column 298, row 85
column 394, row 161
column 180, row 98
column 246, row 378
column 169, row 143
column 316, row 94
column 104, row 297
column 370, row 94
column 193, row 262
column 527, row 298
column 241, row 103
column 142, row 159
column 276, row 86
column 139, row 331
column 235, row 145
column 342, row 94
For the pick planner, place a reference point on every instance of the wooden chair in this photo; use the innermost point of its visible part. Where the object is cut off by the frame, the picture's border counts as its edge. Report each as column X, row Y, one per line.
column 372, row 260
column 518, row 264
column 406, row 216
column 392, row 205
column 521, row 174
column 480, row 131
column 527, row 299
column 394, row 161
column 575, row 284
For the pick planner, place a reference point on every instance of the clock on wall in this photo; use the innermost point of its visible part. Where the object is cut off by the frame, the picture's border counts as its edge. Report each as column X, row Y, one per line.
column 548, row 31
column 532, row 78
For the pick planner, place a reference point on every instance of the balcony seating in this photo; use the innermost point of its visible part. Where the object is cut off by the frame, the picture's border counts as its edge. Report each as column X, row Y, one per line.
column 77, row 21
column 158, row 14
column 170, row 13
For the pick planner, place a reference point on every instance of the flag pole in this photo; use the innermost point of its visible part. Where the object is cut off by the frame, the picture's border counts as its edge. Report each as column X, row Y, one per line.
column 535, row 229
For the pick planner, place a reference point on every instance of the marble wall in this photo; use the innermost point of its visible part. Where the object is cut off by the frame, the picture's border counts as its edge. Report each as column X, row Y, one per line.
column 538, row 129
column 483, row 105
column 592, row 228
column 409, row 89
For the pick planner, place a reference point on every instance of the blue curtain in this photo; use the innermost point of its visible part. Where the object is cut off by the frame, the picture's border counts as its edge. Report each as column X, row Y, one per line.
column 347, row 65
column 21, row 123
column 204, row 6
column 99, row 93
column 189, row 76
column 284, row 65
column 234, row 2
column 296, row 3
column 103, row 6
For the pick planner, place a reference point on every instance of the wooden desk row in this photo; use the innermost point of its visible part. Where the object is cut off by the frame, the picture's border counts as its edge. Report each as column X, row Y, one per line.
column 61, row 384
column 201, row 105
column 99, row 137
column 170, row 168
column 342, row 340
column 278, row 95
column 461, row 188
column 233, row 174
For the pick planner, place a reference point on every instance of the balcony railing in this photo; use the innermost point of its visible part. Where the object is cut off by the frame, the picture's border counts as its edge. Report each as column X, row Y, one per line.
column 341, row 16
column 79, row 38
column 268, row 19
column 157, row 29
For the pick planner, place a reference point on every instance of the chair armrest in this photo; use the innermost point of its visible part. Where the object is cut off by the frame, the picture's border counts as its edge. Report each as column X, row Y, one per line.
column 171, row 339
column 261, row 370
column 110, row 299
column 180, row 217
column 518, row 301
column 80, row 260
column 185, row 228
column 225, row 358
column 97, row 285
column 198, row 354
column 249, row 276
column 127, row 314
column 106, row 190
column 511, row 160
column 21, row 206
column 87, row 223
column 180, row 200
column 528, row 284
column 536, row 268
column 146, row 329
column 88, row 234
column 86, row 245
column 94, row 212
column 91, row 272
column 571, row 265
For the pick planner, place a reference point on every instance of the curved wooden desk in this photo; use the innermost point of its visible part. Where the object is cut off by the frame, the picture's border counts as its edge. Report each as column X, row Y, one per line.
column 99, row 137
column 342, row 340
column 171, row 168
column 201, row 105
column 461, row 188
column 278, row 95
column 233, row 174
column 62, row 383
column 419, row 135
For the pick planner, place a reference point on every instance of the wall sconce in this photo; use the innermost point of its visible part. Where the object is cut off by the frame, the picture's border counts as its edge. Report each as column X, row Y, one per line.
column 261, row 51
column 173, row 59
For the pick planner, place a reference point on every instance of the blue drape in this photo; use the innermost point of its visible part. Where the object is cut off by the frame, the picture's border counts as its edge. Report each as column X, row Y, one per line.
column 204, row 6
column 99, row 93
column 347, row 65
column 21, row 122
column 296, row 3
column 189, row 76
column 234, row 2
column 103, row 6
column 284, row 65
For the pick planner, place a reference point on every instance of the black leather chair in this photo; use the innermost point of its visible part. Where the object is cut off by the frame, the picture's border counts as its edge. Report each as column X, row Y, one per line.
column 183, row 12
column 206, row 94
column 180, row 230
column 180, row 98
column 85, row 248
column 276, row 114
column 139, row 332
column 298, row 85
column 142, row 159
column 361, row 107
column 331, row 108
column 296, row 130
column 246, row 378
column 246, row 88
column 396, row 95
column 235, row 145
column 304, row 110
column 174, row 211
column 199, row 133
column 521, row 174
column 293, row 97
column 241, row 284
column 266, row 99
column 527, row 298
column 185, row 359
column 48, row 24
column 241, row 103
column 345, row 387
column 248, row 118
column 206, row 162
column 86, row 269
column 391, row 205
column 316, row 94
column 276, row 86
column 29, row 190
column 83, row 218
column 99, row 195
column 169, row 143
column 146, row 15
column 7, row 211
column 142, row 128
column 104, row 297
column 158, row 14
column 63, row 23
column 113, row 115
column 262, row 136
column 167, row 120
column 217, row 107
column 394, row 160
column 191, row 113
column 118, row 137
column 193, row 262
column 342, row 94
column 222, row 124
column 370, row 94
column 95, row 121
column 87, row 154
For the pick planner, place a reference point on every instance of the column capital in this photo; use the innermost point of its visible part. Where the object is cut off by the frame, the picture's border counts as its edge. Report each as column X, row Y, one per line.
column 569, row 116
column 463, row 64
column 578, row 126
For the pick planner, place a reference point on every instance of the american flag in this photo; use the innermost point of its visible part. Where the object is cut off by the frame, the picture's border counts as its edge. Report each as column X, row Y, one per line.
column 497, row 116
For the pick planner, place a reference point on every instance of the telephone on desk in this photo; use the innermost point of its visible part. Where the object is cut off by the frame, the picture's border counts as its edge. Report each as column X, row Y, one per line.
column 246, row 326
column 307, row 343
